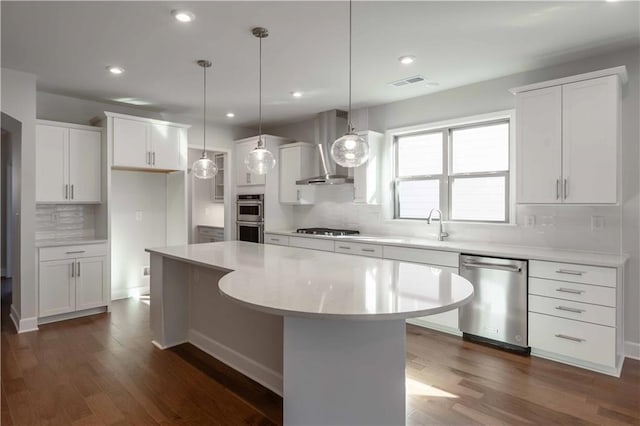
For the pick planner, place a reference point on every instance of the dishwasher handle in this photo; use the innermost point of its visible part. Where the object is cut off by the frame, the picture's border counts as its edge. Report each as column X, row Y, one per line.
column 484, row 265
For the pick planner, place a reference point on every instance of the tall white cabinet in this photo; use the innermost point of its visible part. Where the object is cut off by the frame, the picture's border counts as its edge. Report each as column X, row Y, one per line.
column 568, row 136
column 68, row 163
column 297, row 161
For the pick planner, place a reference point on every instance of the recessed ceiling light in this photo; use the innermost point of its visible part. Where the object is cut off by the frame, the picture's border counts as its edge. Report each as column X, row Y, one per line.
column 296, row 94
column 132, row 101
column 407, row 59
column 230, row 115
column 115, row 70
column 183, row 15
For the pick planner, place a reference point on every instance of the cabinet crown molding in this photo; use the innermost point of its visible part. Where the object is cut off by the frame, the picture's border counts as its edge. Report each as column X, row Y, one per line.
column 620, row 71
column 147, row 120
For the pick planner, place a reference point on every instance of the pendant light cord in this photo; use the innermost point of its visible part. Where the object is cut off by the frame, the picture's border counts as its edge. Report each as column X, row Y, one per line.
column 349, row 125
column 260, row 97
column 204, row 114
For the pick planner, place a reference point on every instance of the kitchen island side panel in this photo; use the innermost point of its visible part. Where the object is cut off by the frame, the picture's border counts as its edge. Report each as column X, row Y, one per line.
column 248, row 340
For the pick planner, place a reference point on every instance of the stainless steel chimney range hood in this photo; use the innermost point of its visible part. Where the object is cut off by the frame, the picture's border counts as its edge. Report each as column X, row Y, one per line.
column 329, row 125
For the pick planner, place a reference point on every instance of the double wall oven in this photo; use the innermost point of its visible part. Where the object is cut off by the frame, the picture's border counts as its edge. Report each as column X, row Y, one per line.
column 250, row 217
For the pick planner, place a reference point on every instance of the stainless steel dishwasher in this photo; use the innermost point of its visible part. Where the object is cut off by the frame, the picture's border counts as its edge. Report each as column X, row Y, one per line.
column 497, row 314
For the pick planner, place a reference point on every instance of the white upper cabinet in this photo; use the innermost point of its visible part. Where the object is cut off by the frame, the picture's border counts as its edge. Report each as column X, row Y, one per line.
column 68, row 163
column 539, row 145
column 297, row 161
column 366, row 178
column 590, row 113
column 568, row 133
column 140, row 143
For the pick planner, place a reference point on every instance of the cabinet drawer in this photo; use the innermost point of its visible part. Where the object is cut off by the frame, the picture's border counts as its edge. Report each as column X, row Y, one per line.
column 72, row 252
column 584, row 274
column 361, row 249
column 596, row 314
column 573, row 291
column 575, row 339
column 280, row 240
column 432, row 257
column 310, row 243
column 211, row 232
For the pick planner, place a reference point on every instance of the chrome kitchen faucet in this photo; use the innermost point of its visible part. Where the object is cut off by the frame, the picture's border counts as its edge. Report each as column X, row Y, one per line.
column 441, row 235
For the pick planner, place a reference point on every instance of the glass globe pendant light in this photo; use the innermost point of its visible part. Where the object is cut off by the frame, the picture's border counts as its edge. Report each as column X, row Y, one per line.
column 259, row 160
column 204, row 168
column 350, row 150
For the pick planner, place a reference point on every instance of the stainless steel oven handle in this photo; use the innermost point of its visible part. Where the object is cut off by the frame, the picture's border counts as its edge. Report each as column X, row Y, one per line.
column 482, row 265
column 249, row 223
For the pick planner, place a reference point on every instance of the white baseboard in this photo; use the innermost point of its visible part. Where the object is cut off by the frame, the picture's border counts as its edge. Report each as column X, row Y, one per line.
column 610, row 371
column 125, row 293
column 23, row 325
column 632, row 350
column 265, row 376
column 433, row 326
column 72, row 315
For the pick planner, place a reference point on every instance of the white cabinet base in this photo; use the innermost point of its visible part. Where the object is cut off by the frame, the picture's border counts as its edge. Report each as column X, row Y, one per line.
column 610, row 371
column 72, row 315
column 446, row 322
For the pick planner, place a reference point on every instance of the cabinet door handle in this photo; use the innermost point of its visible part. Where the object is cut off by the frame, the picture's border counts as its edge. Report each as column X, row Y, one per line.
column 368, row 250
column 569, row 272
column 72, row 191
column 557, row 189
column 75, row 252
column 568, row 309
column 73, row 269
column 344, row 247
column 566, row 188
column 153, row 162
column 66, row 192
column 148, row 156
column 298, row 195
column 248, row 177
column 275, row 239
column 574, row 339
column 78, row 268
column 569, row 290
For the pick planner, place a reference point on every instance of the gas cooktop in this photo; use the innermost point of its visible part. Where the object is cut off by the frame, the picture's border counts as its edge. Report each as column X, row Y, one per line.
column 327, row 231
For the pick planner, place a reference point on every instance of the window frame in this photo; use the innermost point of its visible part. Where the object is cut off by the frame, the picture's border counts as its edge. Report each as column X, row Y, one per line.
column 448, row 177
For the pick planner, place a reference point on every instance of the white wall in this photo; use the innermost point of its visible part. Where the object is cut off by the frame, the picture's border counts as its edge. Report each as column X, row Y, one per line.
column 135, row 193
column 19, row 102
column 566, row 227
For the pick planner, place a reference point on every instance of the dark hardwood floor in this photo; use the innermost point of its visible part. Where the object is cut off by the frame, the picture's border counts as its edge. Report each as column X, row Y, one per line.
column 104, row 370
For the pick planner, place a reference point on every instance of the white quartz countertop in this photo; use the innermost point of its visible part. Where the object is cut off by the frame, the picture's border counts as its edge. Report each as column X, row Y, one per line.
column 60, row 243
column 487, row 249
column 307, row 283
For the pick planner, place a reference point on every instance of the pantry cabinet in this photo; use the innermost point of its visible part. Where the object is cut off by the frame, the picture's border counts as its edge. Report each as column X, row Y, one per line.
column 297, row 161
column 68, row 163
column 139, row 143
column 567, row 136
column 243, row 176
column 72, row 278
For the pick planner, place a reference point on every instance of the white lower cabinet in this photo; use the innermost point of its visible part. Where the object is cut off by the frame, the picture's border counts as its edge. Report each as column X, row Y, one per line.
column 279, row 240
column 70, row 281
column 370, row 250
column 574, row 315
column 311, row 243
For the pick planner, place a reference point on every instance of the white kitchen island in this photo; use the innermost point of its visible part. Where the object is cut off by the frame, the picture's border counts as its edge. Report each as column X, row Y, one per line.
column 324, row 330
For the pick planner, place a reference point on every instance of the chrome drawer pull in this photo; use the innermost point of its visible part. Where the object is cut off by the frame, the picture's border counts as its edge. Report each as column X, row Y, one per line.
column 344, row 247
column 275, row 239
column 76, row 252
column 569, row 272
column 565, row 308
column 569, row 290
column 573, row 339
column 369, row 250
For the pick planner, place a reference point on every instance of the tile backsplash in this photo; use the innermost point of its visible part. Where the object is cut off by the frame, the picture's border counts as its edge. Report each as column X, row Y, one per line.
column 558, row 227
column 65, row 222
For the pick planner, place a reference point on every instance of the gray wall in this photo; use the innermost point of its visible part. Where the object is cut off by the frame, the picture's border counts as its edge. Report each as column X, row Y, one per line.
column 19, row 102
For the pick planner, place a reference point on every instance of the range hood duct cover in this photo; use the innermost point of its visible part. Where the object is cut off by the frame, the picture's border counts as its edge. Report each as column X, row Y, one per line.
column 329, row 125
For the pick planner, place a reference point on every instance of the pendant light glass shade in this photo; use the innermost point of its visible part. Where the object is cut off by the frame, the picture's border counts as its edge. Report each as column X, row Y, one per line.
column 260, row 160
column 204, row 168
column 350, row 150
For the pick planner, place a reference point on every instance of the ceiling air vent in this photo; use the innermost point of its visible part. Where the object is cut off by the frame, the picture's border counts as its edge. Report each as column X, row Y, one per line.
column 409, row 80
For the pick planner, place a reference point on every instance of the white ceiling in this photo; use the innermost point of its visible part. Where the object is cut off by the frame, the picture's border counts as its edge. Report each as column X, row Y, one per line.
column 69, row 44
